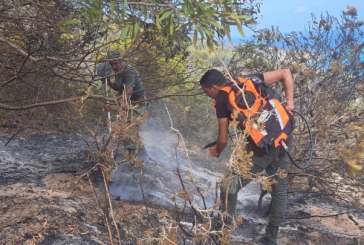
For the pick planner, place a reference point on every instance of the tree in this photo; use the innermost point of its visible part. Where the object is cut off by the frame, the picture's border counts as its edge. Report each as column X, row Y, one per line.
column 207, row 19
column 63, row 40
column 327, row 66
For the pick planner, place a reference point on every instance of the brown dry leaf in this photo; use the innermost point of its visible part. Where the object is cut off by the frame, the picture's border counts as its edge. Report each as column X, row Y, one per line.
column 164, row 214
column 148, row 233
column 184, row 193
column 281, row 173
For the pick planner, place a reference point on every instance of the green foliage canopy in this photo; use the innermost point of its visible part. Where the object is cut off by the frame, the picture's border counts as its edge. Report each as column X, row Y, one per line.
column 201, row 20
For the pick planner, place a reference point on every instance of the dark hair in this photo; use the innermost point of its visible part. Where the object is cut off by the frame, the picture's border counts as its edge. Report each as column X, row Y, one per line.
column 212, row 77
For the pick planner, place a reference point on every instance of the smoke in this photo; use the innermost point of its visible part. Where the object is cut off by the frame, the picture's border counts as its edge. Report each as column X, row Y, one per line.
column 160, row 180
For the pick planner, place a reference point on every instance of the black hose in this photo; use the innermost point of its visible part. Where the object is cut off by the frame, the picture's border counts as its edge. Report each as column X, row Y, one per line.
column 209, row 145
column 311, row 143
column 215, row 142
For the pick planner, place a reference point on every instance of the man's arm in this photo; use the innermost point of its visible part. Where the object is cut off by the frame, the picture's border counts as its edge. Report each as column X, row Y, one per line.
column 111, row 84
column 129, row 81
column 222, row 138
column 286, row 77
column 129, row 92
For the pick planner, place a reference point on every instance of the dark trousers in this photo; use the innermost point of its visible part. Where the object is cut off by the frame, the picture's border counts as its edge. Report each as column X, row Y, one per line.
column 279, row 190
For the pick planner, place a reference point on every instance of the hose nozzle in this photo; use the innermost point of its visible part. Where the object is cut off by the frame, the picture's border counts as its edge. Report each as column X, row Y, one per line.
column 284, row 145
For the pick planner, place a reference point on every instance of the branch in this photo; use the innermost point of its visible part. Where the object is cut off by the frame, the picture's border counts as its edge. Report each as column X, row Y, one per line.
column 177, row 164
column 26, row 107
column 20, row 69
column 150, row 4
column 18, row 49
column 242, row 242
column 101, row 97
column 318, row 216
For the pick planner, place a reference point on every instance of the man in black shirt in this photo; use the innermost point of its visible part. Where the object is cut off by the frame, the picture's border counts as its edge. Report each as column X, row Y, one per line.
column 270, row 159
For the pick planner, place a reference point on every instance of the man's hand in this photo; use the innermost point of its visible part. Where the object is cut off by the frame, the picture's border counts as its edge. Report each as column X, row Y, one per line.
column 109, row 83
column 110, row 108
column 213, row 151
column 289, row 106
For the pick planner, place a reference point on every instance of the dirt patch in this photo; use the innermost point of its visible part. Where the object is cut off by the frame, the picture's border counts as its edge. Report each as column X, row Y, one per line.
column 58, row 210
column 345, row 224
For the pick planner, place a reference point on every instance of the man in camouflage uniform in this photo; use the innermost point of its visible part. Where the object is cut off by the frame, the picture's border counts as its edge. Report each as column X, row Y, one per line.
column 126, row 80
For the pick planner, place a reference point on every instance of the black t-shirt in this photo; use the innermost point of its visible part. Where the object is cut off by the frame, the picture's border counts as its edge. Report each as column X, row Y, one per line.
column 222, row 111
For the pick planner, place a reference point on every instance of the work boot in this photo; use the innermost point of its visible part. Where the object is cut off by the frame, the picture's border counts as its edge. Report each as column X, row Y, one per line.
column 271, row 234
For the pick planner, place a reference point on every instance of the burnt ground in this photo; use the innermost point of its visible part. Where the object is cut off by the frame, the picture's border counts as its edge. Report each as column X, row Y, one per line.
column 41, row 203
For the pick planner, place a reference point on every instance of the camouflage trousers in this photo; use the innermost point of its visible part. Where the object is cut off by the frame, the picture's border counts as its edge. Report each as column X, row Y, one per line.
column 279, row 190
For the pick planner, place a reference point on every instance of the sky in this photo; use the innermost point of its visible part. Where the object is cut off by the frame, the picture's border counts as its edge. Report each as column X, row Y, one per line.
column 294, row 15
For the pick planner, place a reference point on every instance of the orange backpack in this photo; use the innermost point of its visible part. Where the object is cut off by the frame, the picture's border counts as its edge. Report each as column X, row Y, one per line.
column 264, row 107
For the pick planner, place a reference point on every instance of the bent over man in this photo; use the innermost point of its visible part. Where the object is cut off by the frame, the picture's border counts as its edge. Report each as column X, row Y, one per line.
column 268, row 154
column 126, row 80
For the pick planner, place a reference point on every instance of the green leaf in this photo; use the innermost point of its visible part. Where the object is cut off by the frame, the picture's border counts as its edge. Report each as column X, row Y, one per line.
column 95, row 11
column 207, row 32
column 122, row 14
column 171, row 27
column 225, row 14
column 112, row 8
column 251, row 22
column 144, row 10
column 278, row 37
column 165, row 15
column 184, row 10
column 195, row 38
column 136, row 28
column 179, row 40
column 90, row 14
column 234, row 16
column 157, row 21
column 69, row 22
column 125, row 4
column 209, row 44
column 244, row 16
column 62, row 27
column 203, row 6
column 179, row 27
column 189, row 4
column 125, row 32
column 272, row 34
column 227, row 32
column 201, row 33
column 240, row 29
column 212, row 22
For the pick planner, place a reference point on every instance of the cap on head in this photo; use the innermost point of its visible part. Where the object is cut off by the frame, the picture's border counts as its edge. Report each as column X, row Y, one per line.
column 104, row 69
column 113, row 54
